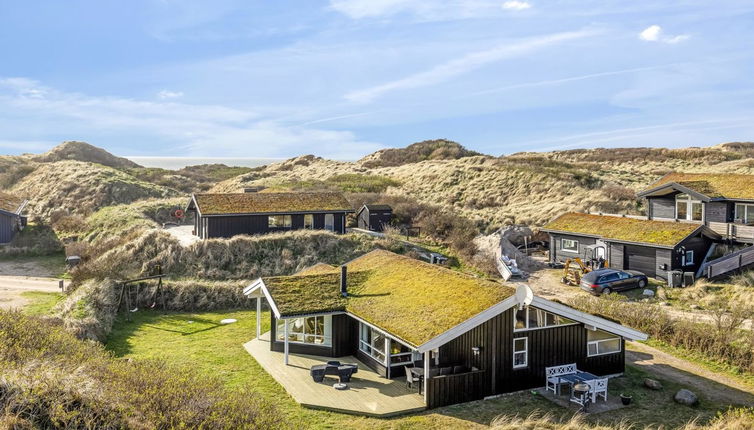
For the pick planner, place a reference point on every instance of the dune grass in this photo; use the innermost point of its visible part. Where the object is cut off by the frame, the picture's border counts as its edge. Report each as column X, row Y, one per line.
column 199, row 341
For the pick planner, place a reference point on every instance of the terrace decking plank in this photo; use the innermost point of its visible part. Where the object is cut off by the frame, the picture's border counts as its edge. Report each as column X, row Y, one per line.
column 368, row 393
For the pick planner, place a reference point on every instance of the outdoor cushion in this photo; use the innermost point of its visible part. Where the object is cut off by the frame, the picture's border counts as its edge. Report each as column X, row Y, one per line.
column 446, row 371
column 459, row 369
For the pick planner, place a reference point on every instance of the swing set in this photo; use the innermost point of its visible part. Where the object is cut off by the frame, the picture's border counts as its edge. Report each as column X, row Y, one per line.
column 132, row 285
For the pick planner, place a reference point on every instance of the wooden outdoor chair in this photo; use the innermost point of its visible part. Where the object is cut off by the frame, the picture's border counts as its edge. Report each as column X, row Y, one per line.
column 553, row 374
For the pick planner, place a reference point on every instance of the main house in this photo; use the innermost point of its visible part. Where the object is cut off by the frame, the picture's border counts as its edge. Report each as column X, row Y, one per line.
column 390, row 311
column 12, row 219
column 724, row 202
column 230, row 214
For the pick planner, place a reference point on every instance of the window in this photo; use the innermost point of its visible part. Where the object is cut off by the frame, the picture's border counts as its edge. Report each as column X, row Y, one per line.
column 569, row 245
column 309, row 221
column 372, row 342
column 623, row 275
column 400, row 354
column 279, row 221
column 688, row 209
column 520, row 352
column 609, row 278
column 531, row 318
column 330, row 222
column 744, row 213
column 315, row 330
column 600, row 343
column 688, row 258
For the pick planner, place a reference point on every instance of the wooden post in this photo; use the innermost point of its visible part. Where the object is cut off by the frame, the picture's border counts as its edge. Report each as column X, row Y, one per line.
column 388, row 345
column 285, row 332
column 427, row 357
column 259, row 316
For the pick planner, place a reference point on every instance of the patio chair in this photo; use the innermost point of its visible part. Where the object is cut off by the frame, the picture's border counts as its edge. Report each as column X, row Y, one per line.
column 446, row 370
column 411, row 379
column 553, row 374
column 599, row 388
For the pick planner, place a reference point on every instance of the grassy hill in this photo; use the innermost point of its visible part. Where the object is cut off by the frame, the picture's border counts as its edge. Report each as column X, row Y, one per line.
column 82, row 151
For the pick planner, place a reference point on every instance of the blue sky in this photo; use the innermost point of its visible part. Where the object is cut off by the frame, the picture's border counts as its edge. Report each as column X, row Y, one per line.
column 342, row 78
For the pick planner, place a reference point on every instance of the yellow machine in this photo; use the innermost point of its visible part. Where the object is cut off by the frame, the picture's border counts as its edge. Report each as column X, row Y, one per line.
column 575, row 268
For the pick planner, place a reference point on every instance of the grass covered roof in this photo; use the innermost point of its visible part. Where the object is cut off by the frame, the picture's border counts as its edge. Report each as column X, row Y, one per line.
column 246, row 203
column 410, row 299
column 714, row 185
column 662, row 233
column 10, row 202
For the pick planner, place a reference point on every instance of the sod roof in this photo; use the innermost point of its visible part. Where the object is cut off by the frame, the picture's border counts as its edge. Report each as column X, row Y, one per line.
column 662, row 233
column 10, row 202
column 718, row 185
column 316, row 269
column 247, row 203
column 410, row 299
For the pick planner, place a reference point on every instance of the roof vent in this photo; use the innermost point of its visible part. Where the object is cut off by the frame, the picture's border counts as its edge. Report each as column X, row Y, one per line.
column 344, row 281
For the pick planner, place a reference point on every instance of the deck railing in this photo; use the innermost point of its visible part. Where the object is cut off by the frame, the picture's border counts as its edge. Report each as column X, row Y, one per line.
column 733, row 231
column 458, row 388
column 730, row 263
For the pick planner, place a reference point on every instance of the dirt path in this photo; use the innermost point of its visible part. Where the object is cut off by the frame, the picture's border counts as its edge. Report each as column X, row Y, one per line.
column 13, row 287
column 711, row 385
column 546, row 283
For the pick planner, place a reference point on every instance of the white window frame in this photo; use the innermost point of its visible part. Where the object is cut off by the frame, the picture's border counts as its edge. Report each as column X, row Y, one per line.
column 527, row 328
column 310, row 225
column 287, row 221
column 688, row 258
column 748, row 208
column 525, row 352
column 569, row 249
column 597, row 343
column 326, row 337
column 689, row 207
column 368, row 348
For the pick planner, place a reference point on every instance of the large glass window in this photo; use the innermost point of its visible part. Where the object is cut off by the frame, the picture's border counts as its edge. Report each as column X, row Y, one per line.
column 400, row 354
column 309, row 221
column 372, row 342
column 330, row 222
column 315, row 330
column 520, row 352
column 569, row 245
column 601, row 342
column 688, row 209
column 279, row 221
column 744, row 213
column 530, row 318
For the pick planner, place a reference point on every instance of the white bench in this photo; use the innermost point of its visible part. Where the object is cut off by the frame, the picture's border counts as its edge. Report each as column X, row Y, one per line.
column 553, row 374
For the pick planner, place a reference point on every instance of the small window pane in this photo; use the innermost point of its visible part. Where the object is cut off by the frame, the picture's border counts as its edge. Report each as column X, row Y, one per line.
column 681, row 209
column 536, row 318
column 287, row 221
column 592, row 349
column 519, row 359
column 519, row 345
column 696, row 211
column 598, row 335
column 309, row 221
column 609, row 346
column 570, row 245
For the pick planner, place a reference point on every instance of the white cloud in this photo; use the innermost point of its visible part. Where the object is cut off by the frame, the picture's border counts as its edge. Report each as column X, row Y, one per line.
column 465, row 64
column 516, row 5
column 186, row 129
column 654, row 33
column 166, row 94
column 423, row 9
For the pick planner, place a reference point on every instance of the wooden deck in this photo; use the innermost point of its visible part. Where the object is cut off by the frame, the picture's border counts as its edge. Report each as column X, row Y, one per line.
column 368, row 393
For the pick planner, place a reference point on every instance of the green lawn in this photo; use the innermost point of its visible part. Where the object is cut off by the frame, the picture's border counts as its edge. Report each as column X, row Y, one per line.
column 199, row 341
column 41, row 303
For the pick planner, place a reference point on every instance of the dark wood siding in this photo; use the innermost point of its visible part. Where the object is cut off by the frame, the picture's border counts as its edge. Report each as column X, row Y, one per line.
column 560, row 254
column 661, row 207
column 664, row 259
column 233, row 225
column 717, row 212
column 452, row 389
column 345, row 335
column 374, row 220
column 7, row 227
column 699, row 244
column 375, row 365
column 616, row 259
column 546, row 347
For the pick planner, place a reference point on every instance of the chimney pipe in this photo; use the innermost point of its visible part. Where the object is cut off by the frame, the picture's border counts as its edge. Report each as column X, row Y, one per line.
column 344, row 281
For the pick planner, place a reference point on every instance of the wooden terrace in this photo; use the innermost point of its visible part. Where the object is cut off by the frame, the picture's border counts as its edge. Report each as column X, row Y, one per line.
column 368, row 393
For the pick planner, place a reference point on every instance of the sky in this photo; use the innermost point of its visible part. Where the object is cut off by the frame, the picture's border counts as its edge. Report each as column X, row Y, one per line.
column 343, row 78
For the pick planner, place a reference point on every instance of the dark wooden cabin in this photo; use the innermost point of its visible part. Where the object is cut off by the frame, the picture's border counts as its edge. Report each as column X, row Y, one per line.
column 12, row 219
column 724, row 202
column 231, row 214
column 493, row 339
column 630, row 243
column 374, row 217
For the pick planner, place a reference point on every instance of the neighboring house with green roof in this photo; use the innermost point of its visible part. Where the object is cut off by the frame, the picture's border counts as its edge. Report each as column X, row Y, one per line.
column 12, row 219
column 723, row 201
column 230, row 214
column 473, row 337
column 630, row 243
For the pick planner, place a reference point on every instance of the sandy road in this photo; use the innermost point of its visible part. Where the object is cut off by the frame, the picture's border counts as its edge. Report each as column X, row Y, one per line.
column 12, row 288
